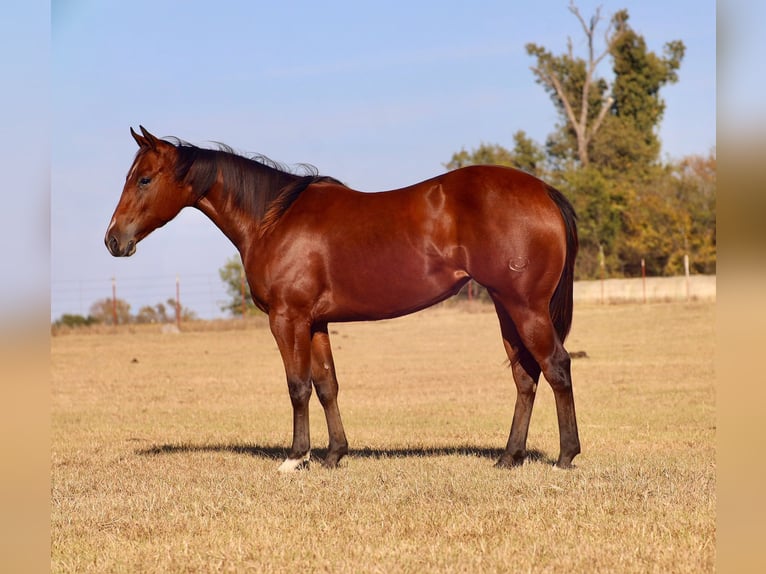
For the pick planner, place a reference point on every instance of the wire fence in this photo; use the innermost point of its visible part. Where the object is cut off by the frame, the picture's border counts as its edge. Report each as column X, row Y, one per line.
column 205, row 294
column 202, row 293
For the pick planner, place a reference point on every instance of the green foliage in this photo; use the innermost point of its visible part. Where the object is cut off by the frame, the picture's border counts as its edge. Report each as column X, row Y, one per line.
column 674, row 215
column 600, row 203
column 630, row 141
column 74, row 320
column 232, row 274
column 526, row 155
column 485, row 154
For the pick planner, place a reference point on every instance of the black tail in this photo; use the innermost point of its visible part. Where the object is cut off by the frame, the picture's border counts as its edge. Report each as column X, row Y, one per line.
column 561, row 303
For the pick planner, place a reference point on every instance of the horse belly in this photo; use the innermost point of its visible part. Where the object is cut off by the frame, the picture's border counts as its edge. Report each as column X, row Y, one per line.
column 391, row 283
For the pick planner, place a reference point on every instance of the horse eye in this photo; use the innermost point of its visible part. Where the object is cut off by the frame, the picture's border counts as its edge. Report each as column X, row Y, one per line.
column 144, row 181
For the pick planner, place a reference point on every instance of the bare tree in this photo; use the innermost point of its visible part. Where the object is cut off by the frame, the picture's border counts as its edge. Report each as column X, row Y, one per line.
column 572, row 82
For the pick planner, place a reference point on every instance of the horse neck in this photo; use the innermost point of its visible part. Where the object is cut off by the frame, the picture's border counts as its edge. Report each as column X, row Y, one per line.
column 239, row 222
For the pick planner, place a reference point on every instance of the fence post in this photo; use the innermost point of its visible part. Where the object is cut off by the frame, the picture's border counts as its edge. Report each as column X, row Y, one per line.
column 178, row 302
column 686, row 273
column 602, row 264
column 643, row 276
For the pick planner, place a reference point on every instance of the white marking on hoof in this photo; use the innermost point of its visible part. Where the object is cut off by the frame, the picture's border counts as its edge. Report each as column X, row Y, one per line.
column 293, row 464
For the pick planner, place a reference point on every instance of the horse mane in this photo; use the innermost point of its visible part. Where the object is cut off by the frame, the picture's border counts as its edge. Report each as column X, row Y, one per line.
column 261, row 187
column 285, row 199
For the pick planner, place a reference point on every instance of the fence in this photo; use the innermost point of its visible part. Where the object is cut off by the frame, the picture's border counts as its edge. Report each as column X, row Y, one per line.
column 694, row 287
column 204, row 294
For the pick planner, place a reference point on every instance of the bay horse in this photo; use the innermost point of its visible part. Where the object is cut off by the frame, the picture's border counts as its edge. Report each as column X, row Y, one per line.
column 315, row 251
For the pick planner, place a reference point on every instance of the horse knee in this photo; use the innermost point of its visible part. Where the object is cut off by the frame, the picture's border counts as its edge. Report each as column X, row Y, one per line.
column 300, row 391
column 558, row 371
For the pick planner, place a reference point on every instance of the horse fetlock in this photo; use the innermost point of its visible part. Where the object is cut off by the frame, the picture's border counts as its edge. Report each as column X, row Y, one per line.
column 333, row 458
column 295, row 464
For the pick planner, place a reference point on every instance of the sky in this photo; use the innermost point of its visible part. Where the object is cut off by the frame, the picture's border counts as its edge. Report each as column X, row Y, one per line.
column 376, row 94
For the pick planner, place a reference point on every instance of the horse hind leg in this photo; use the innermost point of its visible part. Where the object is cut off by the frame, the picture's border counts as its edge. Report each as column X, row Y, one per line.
column 538, row 335
column 326, row 385
column 526, row 374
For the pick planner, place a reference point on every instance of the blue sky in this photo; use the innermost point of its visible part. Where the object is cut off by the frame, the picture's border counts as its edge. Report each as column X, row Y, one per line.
column 378, row 95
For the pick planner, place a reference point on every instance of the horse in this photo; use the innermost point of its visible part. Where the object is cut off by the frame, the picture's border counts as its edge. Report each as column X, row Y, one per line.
column 316, row 252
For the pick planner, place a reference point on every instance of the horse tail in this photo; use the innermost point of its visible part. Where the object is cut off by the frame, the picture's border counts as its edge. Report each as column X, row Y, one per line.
column 561, row 304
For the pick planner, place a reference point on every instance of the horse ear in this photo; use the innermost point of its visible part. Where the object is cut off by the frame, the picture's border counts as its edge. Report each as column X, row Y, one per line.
column 139, row 139
column 150, row 140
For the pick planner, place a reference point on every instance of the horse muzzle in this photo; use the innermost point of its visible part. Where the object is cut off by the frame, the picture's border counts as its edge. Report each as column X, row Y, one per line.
column 119, row 248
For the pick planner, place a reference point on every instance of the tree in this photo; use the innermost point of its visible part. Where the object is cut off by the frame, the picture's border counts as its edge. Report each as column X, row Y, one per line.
column 672, row 218
column 149, row 314
column 103, row 311
column 485, row 154
column 616, row 122
column 526, row 155
column 186, row 313
column 580, row 97
column 696, row 189
column 600, row 203
column 629, row 139
column 159, row 313
column 233, row 275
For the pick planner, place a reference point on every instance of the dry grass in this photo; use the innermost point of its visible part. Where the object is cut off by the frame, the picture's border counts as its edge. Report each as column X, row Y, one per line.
column 168, row 464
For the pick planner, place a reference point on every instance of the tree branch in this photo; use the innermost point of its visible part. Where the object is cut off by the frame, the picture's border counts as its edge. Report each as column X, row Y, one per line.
column 554, row 81
column 601, row 115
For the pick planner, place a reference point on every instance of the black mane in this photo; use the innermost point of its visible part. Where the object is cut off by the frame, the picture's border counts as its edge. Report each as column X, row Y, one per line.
column 259, row 185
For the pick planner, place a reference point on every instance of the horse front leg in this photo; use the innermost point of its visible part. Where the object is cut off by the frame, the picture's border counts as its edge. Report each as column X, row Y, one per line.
column 326, row 385
column 293, row 337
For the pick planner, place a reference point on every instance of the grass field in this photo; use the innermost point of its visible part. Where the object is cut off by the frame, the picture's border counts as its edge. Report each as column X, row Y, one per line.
column 165, row 449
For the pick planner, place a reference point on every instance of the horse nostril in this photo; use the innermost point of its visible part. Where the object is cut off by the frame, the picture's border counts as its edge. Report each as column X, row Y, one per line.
column 113, row 245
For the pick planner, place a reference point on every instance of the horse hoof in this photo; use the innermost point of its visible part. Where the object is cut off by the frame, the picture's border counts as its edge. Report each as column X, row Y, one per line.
column 509, row 463
column 294, row 464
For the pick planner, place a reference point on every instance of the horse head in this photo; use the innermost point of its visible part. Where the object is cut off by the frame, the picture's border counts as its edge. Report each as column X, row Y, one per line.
column 151, row 197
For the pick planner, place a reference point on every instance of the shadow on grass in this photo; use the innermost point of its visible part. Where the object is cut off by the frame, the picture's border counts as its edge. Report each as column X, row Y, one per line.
column 279, row 453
